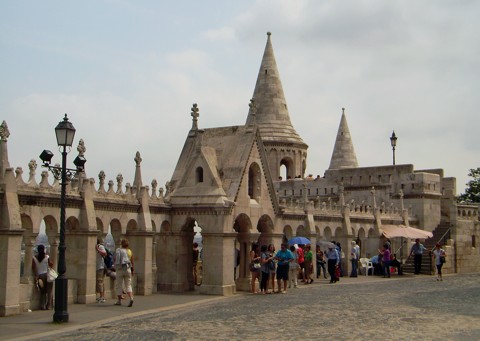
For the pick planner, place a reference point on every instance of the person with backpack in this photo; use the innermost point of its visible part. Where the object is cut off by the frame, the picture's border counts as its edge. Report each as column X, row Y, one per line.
column 124, row 270
column 100, row 270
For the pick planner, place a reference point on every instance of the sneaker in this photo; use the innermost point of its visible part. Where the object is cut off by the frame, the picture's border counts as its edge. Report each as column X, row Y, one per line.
column 130, row 303
column 102, row 300
column 98, row 299
column 118, row 303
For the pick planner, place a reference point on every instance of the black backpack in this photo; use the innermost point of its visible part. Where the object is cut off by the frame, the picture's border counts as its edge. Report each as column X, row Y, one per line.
column 108, row 259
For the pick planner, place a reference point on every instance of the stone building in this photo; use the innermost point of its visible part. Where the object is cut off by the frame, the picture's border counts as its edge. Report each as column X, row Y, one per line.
column 227, row 181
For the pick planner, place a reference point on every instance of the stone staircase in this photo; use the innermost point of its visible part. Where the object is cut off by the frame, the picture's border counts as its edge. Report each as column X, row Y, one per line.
column 440, row 235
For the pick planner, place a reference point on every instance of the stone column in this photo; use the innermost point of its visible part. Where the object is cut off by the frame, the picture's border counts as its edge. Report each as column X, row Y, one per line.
column 244, row 276
column 10, row 245
column 141, row 246
column 81, row 259
column 27, row 261
column 154, row 263
column 218, row 263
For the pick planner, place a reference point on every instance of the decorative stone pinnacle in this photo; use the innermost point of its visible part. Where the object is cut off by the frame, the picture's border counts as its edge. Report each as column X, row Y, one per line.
column 4, row 132
column 253, row 109
column 269, row 34
column 343, row 110
column 195, row 114
column 138, row 159
column 81, row 147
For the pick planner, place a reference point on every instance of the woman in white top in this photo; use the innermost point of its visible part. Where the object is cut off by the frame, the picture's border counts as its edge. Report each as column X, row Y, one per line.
column 124, row 270
column 41, row 263
column 293, row 267
column 439, row 255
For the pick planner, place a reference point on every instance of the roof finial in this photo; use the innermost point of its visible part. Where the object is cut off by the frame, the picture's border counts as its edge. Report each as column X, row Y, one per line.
column 343, row 111
column 253, row 109
column 269, row 34
column 195, row 115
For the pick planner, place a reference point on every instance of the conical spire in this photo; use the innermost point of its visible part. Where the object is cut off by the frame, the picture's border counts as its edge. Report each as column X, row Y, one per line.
column 271, row 112
column 343, row 155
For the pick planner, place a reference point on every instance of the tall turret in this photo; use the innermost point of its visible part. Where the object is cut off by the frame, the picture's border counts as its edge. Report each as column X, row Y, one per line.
column 343, row 155
column 270, row 112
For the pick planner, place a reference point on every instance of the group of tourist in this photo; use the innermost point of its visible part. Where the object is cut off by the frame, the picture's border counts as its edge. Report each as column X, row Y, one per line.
column 121, row 271
column 289, row 265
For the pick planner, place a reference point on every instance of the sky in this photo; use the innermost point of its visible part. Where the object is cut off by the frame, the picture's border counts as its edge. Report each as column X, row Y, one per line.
column 128, row 72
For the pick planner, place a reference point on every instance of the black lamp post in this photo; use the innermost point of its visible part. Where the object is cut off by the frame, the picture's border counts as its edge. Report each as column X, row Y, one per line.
column 393, row 142
column 65, row 133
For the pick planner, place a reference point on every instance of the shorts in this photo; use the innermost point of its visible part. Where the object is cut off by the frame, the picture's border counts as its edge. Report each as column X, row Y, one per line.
column 282, row 271
column 100, row 275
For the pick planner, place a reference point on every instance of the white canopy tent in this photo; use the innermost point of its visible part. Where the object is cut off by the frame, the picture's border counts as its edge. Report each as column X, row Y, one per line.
column 392, row 231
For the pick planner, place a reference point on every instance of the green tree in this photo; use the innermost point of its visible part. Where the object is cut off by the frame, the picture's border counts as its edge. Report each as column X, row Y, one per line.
column 472, row 192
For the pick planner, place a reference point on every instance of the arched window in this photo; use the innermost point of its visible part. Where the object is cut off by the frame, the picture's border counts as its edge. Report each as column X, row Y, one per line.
column 199, row 174
column 254, row 181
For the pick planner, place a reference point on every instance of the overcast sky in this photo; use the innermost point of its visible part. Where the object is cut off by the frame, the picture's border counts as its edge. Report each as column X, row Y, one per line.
column 127, row 73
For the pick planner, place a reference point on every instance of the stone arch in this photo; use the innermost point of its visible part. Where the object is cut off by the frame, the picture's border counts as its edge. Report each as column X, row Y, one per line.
column 265, row 227
column 243, row 226
column 26, row 248
column 116, row 230
column 199, row 175
column 100, row 227
column 287, row 233
column 289, row 165
column 72, row 224
column 132, row 225
column 254, row 181
column 303, row 231
column 327, row 233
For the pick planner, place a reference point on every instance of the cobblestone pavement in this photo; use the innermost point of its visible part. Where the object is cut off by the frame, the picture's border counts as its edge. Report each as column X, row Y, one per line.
column 383, row 309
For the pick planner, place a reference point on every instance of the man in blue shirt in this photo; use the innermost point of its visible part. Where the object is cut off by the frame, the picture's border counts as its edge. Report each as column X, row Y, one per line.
column 284, row 256
column 333, row 261
column 417, row 251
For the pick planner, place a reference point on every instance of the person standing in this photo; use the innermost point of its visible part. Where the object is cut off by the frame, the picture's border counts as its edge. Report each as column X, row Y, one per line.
column 355, row 256
column 301, row 261
column 195, row 254
column 124, row 269
column 265, row 260
column 417, row 251
column 333, row 260
column 308, row 264
column 439, row 255
column 272, row 264
column 386, row 254
column 293, row 267
column 41, row 263
column 100, row 271
column 284, row 257
column 320, row 263
column 255, row 266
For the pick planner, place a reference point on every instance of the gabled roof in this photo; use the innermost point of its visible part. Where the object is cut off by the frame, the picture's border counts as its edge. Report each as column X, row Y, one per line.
column 271, row 111
column 343, row 155
column 224, row 154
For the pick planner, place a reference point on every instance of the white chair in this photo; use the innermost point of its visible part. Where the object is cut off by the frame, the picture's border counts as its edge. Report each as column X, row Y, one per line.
column 366, row 265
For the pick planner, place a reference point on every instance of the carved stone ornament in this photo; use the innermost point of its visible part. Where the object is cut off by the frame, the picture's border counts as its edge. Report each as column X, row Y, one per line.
column 195, row 114
column 137, row 159
column 81, row 147
column 4, row 132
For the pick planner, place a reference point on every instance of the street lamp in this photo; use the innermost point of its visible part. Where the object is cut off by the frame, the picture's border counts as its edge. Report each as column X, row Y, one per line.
column 65, row 133
column 393, row 142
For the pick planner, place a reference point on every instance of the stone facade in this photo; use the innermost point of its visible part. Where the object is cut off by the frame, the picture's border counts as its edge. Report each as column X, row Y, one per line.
column 227, row 182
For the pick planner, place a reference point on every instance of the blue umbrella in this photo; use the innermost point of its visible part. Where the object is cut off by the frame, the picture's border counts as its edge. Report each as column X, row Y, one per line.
column 299, row 241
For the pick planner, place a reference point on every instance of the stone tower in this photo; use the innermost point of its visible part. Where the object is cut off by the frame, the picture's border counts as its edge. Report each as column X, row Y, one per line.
column 269, row 111
column 343, row 155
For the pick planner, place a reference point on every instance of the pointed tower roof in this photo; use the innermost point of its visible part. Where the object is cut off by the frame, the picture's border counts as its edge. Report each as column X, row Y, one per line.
column 343, row 155
column 270, row 112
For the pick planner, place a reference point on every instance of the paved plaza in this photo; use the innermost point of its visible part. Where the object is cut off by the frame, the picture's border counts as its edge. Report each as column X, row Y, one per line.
column 363, row 308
